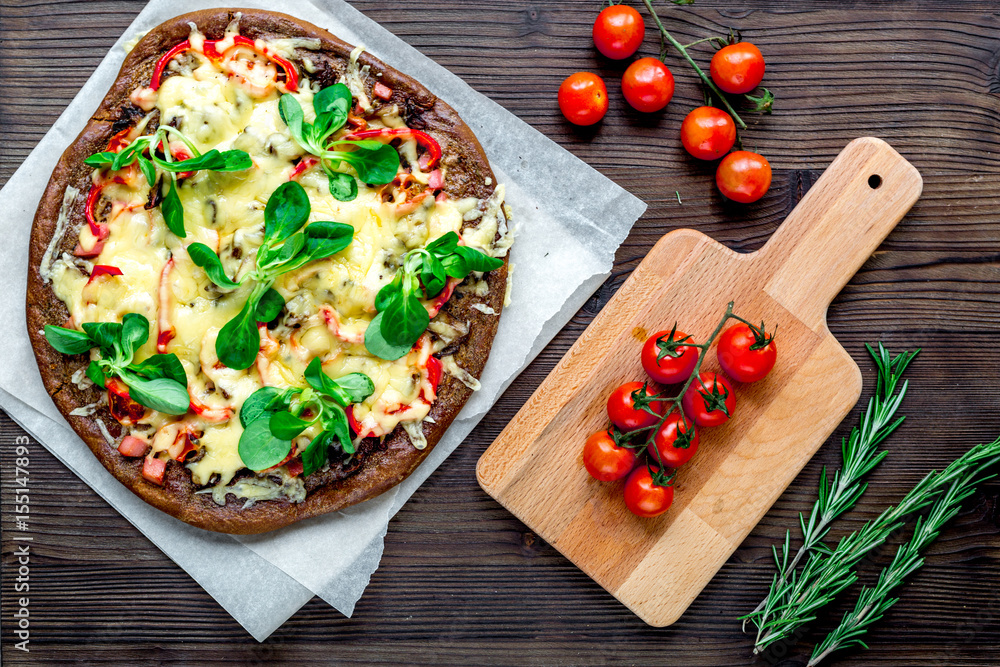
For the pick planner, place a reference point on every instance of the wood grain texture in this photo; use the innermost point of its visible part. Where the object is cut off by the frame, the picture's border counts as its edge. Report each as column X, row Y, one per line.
column 656, row 567
column 462, row 582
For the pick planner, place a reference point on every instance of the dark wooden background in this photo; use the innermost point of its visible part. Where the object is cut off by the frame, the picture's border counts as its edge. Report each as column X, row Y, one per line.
column 462, row 582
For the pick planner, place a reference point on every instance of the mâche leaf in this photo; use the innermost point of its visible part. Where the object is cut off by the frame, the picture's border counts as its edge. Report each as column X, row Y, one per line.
column 68, row 341
column 238, row 341
column 269, row 306
column 212, row 160
column 287, row 426
column 134, row 333
column 291, row 114
column 206, row 258
column 259, row 449
column 315, row 455
column 265, row 399
column 345, row 390
column 158, row 382
column 286, row 247
column 286, row 211
column 170, row 205
column 148, row 170
column 162, row 366
column 343, row 187
column 373, row 161
column 173, row 211
column 402, row 318
column 161, row 394
column 104, row 334
column 273, row 417
column 95, row 374
column 325, row 239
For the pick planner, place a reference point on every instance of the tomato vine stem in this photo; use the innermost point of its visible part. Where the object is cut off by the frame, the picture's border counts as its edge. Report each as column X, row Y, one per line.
column 641, row 399
column 683, row 51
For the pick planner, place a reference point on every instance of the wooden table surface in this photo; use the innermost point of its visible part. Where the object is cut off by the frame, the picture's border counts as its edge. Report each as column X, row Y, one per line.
column 462, row 582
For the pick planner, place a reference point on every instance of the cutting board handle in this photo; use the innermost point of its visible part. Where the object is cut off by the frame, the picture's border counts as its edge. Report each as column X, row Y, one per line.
column 836, row 227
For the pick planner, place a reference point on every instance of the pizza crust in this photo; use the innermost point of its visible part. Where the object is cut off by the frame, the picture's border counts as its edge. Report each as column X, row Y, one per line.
column 379, row 464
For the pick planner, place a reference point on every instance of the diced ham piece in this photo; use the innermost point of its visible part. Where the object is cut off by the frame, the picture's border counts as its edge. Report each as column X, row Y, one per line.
column 94, row 251
column 435, row 180
column 153, row 470
column 382, row 91
column 133, row 447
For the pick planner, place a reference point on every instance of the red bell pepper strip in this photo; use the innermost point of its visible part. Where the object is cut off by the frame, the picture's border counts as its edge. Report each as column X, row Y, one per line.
column 123, row 408
column 432, row 147
column 434, row 370
column 133, row 447
column 210, row 52
column 437, row 303
column 153, row 470
column 304, row 165
column 119, row 140
column 98, row 229
column 105, row 270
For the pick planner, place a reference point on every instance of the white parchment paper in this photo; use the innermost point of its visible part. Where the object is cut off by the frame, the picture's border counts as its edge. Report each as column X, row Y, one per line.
column 564, row 250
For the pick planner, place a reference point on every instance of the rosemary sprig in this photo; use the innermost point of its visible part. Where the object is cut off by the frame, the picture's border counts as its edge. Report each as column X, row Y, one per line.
column 874, row 602
column 826, row 573
column 860, row 454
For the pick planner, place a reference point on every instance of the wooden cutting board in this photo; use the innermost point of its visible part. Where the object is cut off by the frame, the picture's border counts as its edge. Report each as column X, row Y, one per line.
column 656, row 567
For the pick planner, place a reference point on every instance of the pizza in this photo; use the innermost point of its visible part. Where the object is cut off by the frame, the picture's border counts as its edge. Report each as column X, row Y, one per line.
column 267, row 275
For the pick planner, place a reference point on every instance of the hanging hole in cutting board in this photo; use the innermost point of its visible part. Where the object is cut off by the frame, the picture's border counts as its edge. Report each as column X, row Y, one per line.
column 874, row 181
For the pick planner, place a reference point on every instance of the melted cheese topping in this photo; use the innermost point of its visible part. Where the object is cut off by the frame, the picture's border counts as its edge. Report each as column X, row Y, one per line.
column 329, row 302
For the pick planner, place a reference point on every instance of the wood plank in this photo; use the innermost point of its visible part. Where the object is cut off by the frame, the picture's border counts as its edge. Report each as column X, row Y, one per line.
column 915, row 71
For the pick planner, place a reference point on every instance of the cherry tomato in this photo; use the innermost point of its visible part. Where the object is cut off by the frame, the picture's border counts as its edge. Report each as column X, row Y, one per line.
column 708, row 133
column 738, row 357
column 648, row 85
column 708, row 411
column 604, row 460
column 665, row 441
column 743, row 176
column 643, row 497
column 618, row 31
column 583, row 98
column 622, row 410
column 737, row 68
column 668, row 369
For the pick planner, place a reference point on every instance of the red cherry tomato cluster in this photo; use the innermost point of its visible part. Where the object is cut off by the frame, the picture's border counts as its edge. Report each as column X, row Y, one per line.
column 666, row 433
column 707, row 133
column 647, row 83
